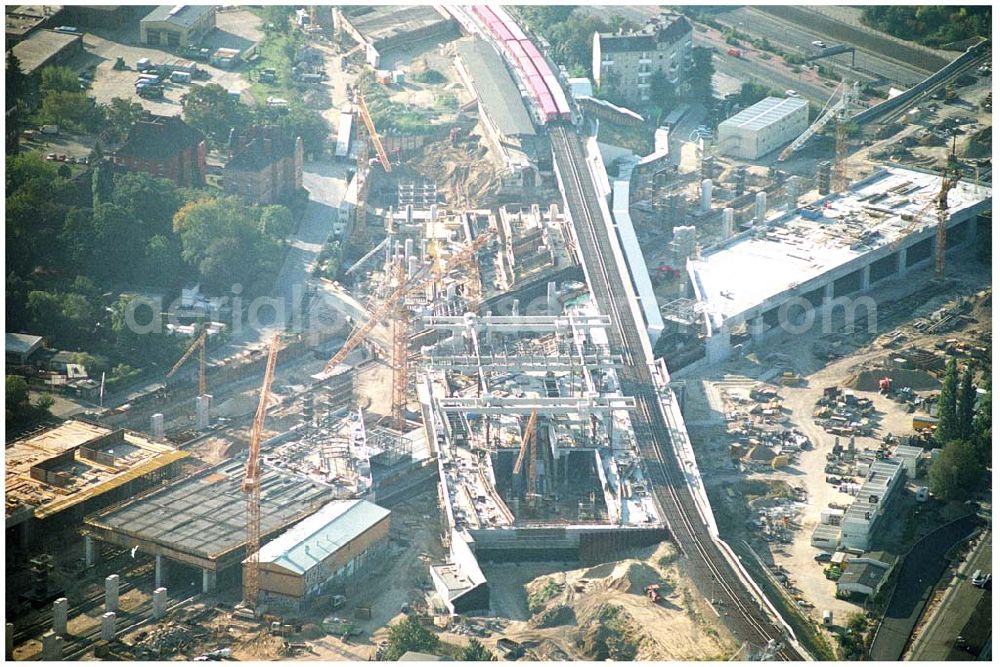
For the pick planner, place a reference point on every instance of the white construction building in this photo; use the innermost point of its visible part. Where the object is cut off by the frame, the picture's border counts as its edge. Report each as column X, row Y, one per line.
column 763, row 127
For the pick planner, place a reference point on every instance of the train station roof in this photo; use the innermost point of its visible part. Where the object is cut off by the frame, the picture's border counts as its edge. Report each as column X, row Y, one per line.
column 495, row 88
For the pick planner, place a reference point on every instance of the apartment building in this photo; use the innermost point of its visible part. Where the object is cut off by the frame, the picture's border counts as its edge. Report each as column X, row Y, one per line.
column 625, row 63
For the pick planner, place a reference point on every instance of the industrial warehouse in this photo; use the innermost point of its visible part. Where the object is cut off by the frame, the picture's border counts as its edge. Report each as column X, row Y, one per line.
column 499, row 333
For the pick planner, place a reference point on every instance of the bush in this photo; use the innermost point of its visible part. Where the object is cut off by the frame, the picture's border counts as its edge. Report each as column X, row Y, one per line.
column 428, row 76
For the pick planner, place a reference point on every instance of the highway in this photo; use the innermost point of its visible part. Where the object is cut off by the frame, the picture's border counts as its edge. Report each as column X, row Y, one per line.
column 798, row 39
column 706, row 563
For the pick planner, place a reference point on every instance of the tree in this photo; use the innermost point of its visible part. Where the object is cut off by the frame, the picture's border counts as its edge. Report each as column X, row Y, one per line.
column 72, row 109
column 276, row 221
column 661, row 92
column 409, row 635
column 222, row 239
column 45, row 402
column 64, row 171
column 954, row 474
column 279, row 16
column 700, row 75
column 16, row 391
column 966, row 405
column 947, row 426
column 982, row 426
column 121, row 115
column 20, row 87
column 211, row 109
column 476, row 652
column 543, row 17
column 59, row 78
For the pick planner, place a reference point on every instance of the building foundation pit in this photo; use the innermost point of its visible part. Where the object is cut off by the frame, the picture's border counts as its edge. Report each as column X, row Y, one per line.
column 568, row 484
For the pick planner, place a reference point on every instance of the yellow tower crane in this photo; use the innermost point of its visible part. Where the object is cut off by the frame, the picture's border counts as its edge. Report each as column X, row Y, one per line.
column 251, row 483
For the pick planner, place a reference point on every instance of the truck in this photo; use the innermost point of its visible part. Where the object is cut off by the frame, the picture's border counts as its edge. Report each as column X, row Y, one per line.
column 49, row 129
column 180, row 77
column 151, row 91
column 735, row 53
column 144, row 65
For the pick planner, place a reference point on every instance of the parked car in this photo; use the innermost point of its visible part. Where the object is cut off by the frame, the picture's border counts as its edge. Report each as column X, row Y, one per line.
column 819, row 44
column 791, row 93
column 822, row 557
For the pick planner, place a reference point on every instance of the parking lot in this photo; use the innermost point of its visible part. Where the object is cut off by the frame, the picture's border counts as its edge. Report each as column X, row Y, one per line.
column 237, row 29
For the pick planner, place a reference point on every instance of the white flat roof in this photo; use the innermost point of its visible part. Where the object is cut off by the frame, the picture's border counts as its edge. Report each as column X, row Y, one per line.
column 736, row 277
column 766, row 112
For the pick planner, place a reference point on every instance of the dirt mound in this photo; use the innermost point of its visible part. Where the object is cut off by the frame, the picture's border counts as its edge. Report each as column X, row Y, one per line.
column 633, row 577
column 558, row 615
column 612, row 634
column 980, row 144
column 917, row 380
column 237, row 406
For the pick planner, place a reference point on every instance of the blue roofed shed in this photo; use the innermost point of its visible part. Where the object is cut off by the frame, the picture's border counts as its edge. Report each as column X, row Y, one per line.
column 322, row 552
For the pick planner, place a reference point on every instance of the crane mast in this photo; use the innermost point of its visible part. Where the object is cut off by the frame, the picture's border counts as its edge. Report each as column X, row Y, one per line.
column 198, row 344
column 403, row 288
column 251, row 483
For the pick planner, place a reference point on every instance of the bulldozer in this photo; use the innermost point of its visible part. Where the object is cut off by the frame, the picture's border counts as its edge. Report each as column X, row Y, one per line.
column 653, row 593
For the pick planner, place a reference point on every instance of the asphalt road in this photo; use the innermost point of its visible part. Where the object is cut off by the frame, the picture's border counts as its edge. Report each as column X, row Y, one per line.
column 937, row 641
column 919, row 573
column 798, row 39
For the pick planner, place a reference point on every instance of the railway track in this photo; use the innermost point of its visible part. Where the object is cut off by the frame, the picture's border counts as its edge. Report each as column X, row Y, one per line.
column 709, row 566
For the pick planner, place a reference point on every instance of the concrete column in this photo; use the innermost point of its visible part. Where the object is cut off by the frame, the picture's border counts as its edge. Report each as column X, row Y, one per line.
column 451, row 291
column 757, row 329
column 412, row 266
column 828, row 292
column 159, row 603
column 161, row 570
column 718, row 346
column 89, row 551
column 423, row 249
column 553, row 302
column 434, row 211
column 111, row 593
column 108, row 626
column 728, row 223
column 8, row 651
column 706, row 194
column 515, row 307
column 792, row 184
column 901, row 262
column 207, row 581
column 156, row 425
column 760, row 207
column 866, row 278
column 203, row 407
column 408, row 249
column 60, row 616
column 409, row 213
column 52, row 646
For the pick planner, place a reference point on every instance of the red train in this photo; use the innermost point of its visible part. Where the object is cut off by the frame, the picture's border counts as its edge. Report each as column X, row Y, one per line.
column 526, row 58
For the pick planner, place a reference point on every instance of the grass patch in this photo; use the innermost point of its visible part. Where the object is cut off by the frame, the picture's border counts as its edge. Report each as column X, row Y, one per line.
column 428, row 76
column 537, row 600
column 276, row 51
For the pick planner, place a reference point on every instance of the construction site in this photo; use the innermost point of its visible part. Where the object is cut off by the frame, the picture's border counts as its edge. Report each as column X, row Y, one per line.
column 482, row 421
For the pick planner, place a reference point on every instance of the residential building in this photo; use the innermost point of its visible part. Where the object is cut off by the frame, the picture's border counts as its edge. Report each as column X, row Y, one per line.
column 340, row 541
column 763, row 127
column 177, row 26
column 869, row 507
column 266, row 167
column 165, row 146
column 625, row 63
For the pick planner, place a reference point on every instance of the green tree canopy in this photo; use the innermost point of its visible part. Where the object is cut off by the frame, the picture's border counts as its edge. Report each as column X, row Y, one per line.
column 954, row 474
column 59, row 78
column 223, row 240
column 409, row 635
column 212, row 110
column 966, row 404
column 476, row 652
column 948, row 427
column 700, row 75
